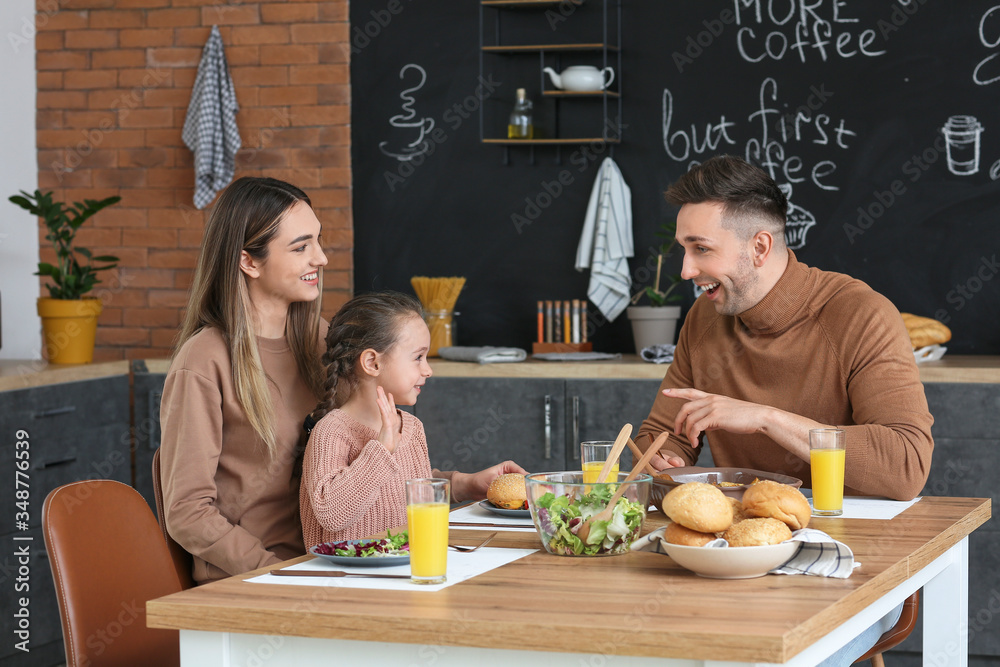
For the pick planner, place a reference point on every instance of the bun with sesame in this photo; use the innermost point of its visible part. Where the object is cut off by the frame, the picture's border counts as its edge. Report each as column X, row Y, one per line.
column 508, row 492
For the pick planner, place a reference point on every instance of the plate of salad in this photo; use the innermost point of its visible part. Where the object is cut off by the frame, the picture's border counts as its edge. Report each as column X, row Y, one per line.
column 503, row 511
column 378, row 552
column 558, row 517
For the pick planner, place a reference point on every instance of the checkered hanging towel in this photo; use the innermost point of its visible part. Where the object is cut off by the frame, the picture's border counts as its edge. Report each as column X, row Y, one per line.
column 210, row 126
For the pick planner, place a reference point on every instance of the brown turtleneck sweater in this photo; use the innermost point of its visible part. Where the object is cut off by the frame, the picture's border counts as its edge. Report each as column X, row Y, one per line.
column 819, row 344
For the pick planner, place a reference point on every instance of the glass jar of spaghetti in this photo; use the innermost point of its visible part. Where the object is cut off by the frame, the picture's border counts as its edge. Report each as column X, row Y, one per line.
column 441, row 325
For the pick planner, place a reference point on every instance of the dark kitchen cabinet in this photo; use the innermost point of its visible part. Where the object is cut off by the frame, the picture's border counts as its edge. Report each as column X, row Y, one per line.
column 597, row 409
column 473, row 423
column 74, row 431
column 966, row 434
column 147, row 387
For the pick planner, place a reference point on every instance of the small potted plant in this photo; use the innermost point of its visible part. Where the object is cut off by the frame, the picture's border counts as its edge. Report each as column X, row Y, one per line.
column 656, row 323
column 69, row 319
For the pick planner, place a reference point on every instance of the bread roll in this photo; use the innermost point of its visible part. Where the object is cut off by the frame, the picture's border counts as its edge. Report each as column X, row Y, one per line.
column 678, row 534
column 778, row 501
column 924, row 331
column 738, row 513
column 507, row 491
column 757, row 532
column 698, row 506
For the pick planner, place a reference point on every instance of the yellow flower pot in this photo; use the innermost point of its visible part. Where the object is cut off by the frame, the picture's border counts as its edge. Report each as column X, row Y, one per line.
column 70, row 327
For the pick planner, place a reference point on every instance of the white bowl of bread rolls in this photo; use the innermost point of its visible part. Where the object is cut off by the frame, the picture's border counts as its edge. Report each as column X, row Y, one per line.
column 756, row 528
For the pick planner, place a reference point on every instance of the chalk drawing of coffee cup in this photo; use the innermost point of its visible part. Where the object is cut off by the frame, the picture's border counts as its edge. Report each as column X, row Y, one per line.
column 414, row 129
column 961, row 134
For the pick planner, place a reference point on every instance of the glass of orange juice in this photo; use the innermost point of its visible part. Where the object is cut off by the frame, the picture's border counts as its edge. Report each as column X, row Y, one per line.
column 427, row 523
column 593, row 455
column 826, row 457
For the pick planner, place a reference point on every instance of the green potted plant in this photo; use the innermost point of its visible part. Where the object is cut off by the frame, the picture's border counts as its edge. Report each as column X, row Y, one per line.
column 69, row 319
column 656, row 323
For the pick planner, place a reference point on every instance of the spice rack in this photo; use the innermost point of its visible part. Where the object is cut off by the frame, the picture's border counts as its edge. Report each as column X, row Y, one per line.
column 503, row 27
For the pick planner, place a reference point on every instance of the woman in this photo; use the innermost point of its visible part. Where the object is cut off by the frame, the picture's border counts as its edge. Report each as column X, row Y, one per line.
column 245, row 374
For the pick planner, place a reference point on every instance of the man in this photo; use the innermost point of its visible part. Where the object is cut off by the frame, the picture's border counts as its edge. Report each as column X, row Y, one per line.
column 774, row 348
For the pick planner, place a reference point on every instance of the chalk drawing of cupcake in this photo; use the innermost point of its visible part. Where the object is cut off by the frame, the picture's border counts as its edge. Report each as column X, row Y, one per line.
column 798, row 222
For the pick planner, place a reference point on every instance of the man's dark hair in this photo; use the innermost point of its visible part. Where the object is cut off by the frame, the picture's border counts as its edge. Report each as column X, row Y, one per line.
column 751, row 200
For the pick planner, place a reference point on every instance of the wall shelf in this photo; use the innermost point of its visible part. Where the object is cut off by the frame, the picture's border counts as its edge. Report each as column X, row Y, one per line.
column 594, row 27
column 577, row 93
column 528, row 3
column 527, row 48
column 550, row 142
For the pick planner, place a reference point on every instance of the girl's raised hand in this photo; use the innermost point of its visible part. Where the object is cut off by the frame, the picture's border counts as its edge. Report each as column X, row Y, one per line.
column 388, row 435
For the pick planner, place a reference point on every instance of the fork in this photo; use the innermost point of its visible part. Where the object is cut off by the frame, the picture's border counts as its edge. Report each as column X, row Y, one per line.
column 458, row 547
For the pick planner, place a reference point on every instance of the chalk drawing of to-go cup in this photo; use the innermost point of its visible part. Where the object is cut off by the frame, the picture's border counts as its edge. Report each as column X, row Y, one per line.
column 414, row 128
column 962, row 140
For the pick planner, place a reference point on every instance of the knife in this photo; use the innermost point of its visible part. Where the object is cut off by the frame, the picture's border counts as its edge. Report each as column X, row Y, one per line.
column 334, row 573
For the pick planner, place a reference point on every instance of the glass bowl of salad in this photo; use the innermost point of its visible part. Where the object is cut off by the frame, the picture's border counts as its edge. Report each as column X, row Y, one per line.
column 559, row 502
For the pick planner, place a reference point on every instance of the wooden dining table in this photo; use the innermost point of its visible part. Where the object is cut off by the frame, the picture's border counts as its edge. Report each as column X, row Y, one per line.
column 634, row 609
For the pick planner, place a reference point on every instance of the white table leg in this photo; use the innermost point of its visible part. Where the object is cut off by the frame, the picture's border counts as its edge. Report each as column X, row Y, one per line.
column 204, row 649
column 945, row 605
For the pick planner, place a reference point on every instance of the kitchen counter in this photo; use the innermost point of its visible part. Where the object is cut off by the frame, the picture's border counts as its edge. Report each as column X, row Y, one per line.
column 630, row 367
column 16, row 374
column 22, row 374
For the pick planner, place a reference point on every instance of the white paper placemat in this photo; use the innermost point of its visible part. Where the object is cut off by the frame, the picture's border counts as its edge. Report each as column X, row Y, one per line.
column 461, row 566
column 861, row 507
column 475, row 514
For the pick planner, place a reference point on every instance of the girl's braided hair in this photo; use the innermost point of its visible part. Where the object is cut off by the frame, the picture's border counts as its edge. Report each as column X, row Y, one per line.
column 366, row 321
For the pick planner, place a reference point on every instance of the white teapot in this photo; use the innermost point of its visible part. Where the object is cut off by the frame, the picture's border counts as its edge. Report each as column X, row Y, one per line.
column 581, row 78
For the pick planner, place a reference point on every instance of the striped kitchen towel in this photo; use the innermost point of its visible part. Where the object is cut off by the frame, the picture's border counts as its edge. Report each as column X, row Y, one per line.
column 606, row 241
column 820, row 556
column 210, row 125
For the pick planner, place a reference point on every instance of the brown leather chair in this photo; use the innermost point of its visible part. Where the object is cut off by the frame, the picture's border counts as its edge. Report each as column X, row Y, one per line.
column 108, row 559
column 182, row 559
column 896, row 634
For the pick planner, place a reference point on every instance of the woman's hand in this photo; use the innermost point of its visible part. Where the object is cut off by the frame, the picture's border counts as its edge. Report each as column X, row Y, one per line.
column 388, row 435
column 473, row 486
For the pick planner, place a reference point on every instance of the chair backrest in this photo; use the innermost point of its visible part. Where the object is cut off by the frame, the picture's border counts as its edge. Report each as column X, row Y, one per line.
column 898, row 632
column 183, row 562
column 108, row 559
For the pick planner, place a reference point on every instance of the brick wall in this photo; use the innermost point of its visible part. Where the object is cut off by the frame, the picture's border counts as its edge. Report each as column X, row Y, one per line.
column 114, row 82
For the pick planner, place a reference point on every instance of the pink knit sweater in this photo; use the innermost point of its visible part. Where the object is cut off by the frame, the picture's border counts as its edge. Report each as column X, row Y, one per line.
column 352, row 487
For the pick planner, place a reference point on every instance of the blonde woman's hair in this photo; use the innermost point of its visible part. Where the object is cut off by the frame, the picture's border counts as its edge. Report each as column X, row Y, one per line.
column 246, row 217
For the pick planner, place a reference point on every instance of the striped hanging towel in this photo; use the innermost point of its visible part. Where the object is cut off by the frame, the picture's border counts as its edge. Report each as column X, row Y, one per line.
column 606, row 241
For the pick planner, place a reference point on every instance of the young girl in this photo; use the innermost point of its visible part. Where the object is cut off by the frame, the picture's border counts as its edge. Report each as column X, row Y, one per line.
column 362, row 449
column 245, row 374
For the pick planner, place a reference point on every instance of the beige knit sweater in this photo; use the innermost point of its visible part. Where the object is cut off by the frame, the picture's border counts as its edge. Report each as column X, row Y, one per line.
column 352, row 487
column 822, row 345
column 226, row 502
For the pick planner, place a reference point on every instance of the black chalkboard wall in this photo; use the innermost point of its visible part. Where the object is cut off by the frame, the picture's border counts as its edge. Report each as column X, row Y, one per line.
column 866, row 90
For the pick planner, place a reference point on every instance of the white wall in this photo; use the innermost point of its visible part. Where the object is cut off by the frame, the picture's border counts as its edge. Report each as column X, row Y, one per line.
column 18, row 171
